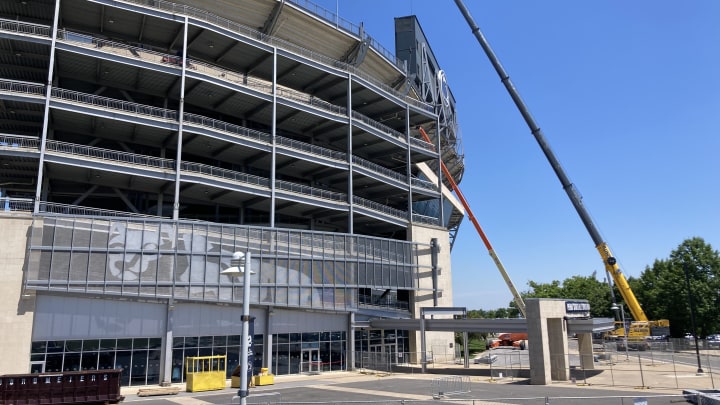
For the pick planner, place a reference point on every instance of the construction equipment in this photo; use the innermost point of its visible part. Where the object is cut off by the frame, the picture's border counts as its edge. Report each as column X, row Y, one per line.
column 517, row 340
column 516, row 295
column 641, row 327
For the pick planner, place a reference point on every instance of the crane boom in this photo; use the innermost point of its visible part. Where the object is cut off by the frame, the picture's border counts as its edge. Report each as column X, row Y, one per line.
column 516, row 295
column 608, row 260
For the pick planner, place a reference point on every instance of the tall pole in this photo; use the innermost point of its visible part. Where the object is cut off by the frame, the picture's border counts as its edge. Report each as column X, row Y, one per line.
column 692, row 317
column 243, row 391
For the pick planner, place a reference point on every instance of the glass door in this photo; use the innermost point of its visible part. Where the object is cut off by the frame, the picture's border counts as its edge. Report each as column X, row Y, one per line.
column 310, row 361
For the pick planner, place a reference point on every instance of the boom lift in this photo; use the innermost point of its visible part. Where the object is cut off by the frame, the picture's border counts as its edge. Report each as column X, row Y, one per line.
column 516, row 296
column 641, row 328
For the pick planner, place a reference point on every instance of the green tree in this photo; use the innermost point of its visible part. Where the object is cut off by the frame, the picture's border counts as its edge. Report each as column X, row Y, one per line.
column 663, row 288
column 595, row 292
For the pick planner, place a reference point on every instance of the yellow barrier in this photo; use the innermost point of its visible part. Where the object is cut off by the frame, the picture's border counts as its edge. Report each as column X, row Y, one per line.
column 205, row 373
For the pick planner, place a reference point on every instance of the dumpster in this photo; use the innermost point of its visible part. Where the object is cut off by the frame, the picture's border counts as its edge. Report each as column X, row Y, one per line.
column 70, row 387
column 205, row 373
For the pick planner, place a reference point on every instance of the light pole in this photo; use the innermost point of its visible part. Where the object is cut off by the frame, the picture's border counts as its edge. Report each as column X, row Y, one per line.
column 238, row 266
column 615, row 307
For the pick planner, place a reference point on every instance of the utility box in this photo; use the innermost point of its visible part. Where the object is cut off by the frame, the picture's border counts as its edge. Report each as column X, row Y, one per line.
column 205, row 373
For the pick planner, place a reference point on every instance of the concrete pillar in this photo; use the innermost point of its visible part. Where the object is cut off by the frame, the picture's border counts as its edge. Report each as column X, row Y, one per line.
column 547, row 337
column 587, row 361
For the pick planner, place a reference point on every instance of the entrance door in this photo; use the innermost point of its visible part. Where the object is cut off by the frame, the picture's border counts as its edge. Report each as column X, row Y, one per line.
column 310, row 361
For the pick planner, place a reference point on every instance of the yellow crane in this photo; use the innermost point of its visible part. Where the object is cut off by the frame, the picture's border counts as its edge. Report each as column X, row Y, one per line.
column 641, row 327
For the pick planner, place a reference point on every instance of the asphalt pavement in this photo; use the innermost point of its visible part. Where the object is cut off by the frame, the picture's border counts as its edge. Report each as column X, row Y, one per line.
column 416, row 388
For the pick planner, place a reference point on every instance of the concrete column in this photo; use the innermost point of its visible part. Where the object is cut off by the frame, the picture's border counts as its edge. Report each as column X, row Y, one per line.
column 547, row 336
column 587, row 361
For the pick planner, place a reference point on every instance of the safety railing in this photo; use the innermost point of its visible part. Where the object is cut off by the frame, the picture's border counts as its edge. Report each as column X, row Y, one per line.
column 226, row 174
column 15, row 86
column 379, row 169
column 424, row 219
column 376, row 206
column 47, row 207
column 25, row 28
column 114, row 104
column 312, row 149
column 422, row 144
column 109, row 155
column 222, row 22
column 8, row 141
column 8, row 204
column 381, row 127
column 226, row 127
column 423, row 184
column 311, row 191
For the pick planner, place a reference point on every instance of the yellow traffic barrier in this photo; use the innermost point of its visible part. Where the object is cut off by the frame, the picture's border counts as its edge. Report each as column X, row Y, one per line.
column 205, row 373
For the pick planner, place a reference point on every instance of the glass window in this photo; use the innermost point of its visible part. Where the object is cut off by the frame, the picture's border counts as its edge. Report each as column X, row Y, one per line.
column 153, row 367
column 154, row 343
column 124, row 344
column 140, row 343
column 38, row 347
column 91, row 345
column 219, row 341
column 71, row 362
column 53, row 363
column 106, row 360
column 205, row 341
column 311, row 337
column 178, row 342
column 55, row 346
column 122, row 360
column 139, row 367
column 89, row 360
column 191, row 341
column 107, row 344
column 233, row 340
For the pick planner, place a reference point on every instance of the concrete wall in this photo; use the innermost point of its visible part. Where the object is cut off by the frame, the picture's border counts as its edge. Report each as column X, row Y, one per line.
column 437, row 342
column 16, row 312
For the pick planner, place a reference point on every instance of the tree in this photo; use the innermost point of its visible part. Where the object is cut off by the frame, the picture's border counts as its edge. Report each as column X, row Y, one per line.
column 663, row 290
column 577, row 287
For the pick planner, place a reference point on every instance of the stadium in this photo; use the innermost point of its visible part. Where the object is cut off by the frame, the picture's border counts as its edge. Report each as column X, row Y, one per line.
column 144, row 142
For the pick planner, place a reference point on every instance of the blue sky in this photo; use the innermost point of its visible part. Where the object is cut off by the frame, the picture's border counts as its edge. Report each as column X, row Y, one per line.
column 627, row 94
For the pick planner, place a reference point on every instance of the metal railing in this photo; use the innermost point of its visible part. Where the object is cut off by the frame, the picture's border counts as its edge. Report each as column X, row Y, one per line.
column 25, row 28
column 226, row 127
column 222, row 22
column 424, row 219
column 15, row 86
column 311, row 191
column 376, row 206
column 8, row 141
column 379, row 169
column 115, row 104
column 310, row 148
column 226, row 174
column 109, row 155
column 69, row 209
column 375, row 124
column 16, row 204
column 424, row 184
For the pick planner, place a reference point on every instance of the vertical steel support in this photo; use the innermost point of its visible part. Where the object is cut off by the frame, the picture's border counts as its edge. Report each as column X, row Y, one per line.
column 181, row 112
column 438, row 147
column 350, row 342
column 423, row 354
column 46, row 115
column 273, row 132
column 350, row 193
column 268, row 343
column 408, row 168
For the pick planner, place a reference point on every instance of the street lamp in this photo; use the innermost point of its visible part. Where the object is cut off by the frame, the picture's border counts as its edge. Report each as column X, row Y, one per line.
column 615, row 308
column 238, row 266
